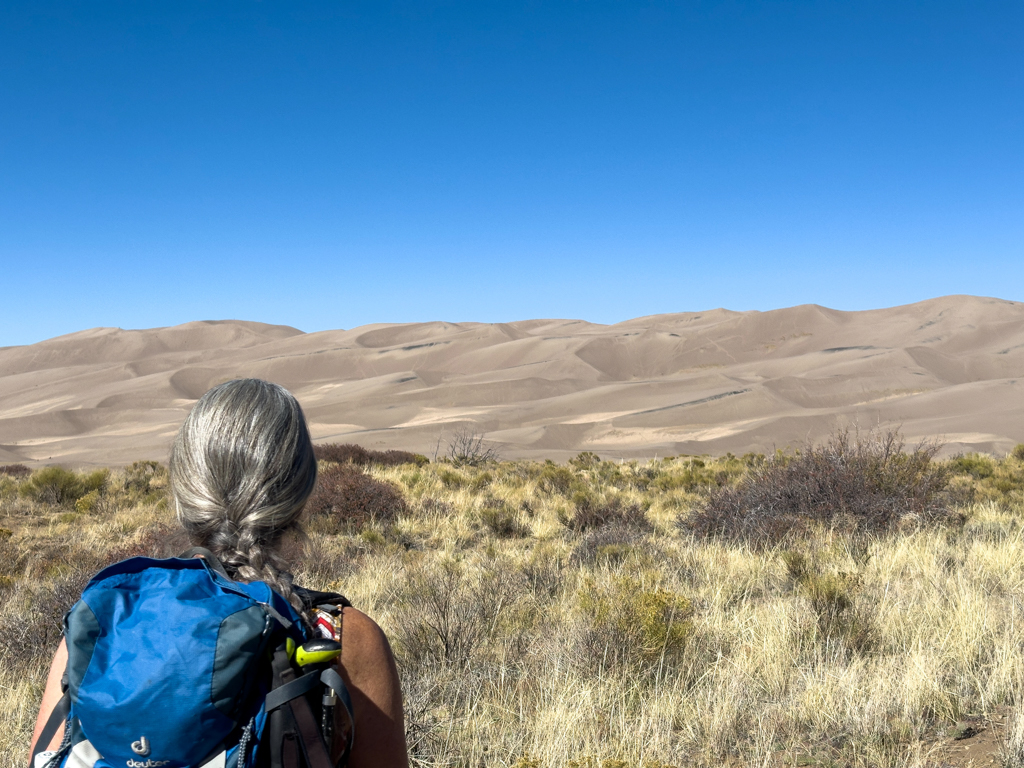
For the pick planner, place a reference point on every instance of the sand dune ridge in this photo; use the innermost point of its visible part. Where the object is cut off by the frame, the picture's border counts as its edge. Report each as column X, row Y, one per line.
column 692, row 382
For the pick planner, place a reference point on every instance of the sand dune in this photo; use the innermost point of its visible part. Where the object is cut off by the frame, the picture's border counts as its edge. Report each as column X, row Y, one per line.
column 701, row 382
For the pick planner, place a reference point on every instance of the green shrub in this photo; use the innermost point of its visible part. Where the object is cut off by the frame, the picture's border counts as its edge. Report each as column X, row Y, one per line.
column 639, row 476
column 555, row 479
column 140, row 476
column 451, row 478
column 1018, row 452
column 585, row 460
column 613, row 553
column 976, row 465
column 797, row 564
column 96, row 481
column 502, row 519
column 753, row 459
column 373, row 537
column 15, row 470
column 88, row 503
column 610, row 544
column 633, row 625
column 832, row 599
column 58, row 486
column 988, row 479
column 55, row 486
column 696, row 475
column 481, row 481
column 592, row 761
column 545, row 569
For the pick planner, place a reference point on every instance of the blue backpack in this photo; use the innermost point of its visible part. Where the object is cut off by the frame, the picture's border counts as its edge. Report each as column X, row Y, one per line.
column 171, row 664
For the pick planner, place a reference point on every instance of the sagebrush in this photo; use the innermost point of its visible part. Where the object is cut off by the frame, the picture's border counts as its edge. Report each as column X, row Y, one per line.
column 859, row 484
column 563, row 616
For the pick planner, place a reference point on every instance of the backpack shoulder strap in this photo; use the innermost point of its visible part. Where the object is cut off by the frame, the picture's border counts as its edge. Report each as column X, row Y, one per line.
column 334, row 603
column 293, row 725
column 209, row 557
column 58, row 717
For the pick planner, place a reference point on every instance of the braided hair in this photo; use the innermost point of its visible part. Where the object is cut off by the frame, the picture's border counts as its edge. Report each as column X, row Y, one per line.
column 241, row 470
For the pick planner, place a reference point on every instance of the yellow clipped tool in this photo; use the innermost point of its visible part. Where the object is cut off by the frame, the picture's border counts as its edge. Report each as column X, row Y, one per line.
column 317, row 651
column 289, row 646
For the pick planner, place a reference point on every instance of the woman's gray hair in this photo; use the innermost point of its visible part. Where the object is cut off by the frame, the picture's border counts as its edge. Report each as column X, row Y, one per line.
column 242, row 467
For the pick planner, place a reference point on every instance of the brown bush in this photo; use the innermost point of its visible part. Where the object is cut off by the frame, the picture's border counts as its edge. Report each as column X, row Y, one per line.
column 326, row 560
column 160, row 540
column 545, row 570
column 41, row 624
column 139, row 476
column 349, row 499
column 349, row 453
column 15, row 470
column 502, row 519
column 432, row 506
column 12, row 556
column 609, row 543
column 864, row 485
column 448, row 616
column 593, row 513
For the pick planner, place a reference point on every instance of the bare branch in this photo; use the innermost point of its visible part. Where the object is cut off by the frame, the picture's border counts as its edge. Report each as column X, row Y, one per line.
column 468, row 449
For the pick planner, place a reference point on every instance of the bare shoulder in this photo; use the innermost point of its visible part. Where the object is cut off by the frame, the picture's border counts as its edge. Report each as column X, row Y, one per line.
column 360, row 629
column 366, row 658
column 51, row 695
column 368, row 668
column 364, row 645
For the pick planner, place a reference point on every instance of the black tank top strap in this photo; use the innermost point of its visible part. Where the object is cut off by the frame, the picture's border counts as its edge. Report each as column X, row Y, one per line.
column 312, row 598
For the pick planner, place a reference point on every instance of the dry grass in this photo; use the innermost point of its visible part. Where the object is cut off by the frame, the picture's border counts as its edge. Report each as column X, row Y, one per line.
column 526, row 640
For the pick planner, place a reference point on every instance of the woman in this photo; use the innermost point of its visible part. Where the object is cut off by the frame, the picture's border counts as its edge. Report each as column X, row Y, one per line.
column 241, row 470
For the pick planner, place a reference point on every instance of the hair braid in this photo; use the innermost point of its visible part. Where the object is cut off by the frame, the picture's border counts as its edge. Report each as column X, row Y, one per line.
column 252, row 560
column 242, row 467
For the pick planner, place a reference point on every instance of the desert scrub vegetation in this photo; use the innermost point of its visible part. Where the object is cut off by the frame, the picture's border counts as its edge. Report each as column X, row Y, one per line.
column 854, row 483
column 595, row 614
column 348, row 453
column 346, row 498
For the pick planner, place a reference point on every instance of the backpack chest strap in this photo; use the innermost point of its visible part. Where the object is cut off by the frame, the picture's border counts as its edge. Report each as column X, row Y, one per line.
column 285, row 693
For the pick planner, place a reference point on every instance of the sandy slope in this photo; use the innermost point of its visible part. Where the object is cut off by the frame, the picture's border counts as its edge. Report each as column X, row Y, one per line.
column 704, row 382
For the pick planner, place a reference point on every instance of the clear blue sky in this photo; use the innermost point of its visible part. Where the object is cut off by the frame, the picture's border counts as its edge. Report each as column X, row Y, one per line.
column 330, row 164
